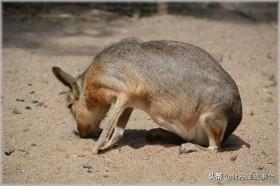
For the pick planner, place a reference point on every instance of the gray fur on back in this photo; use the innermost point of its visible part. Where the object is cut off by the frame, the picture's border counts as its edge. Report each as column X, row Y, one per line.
column 177, row 73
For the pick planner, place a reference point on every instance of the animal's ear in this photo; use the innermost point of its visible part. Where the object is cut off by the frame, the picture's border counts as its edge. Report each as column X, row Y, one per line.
column 67, row 80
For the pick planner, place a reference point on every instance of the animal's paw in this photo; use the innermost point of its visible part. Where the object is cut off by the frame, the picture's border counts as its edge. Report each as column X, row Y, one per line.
column 188, row 148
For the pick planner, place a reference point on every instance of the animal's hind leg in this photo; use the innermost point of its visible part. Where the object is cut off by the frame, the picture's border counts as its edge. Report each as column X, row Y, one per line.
column 119, row 129
column 214, row 125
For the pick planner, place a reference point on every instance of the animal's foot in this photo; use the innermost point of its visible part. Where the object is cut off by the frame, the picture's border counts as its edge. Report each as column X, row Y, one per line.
column 213, row 148
column 188, row 148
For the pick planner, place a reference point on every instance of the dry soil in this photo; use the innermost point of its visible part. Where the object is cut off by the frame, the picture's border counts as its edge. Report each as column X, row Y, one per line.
column 39, row 143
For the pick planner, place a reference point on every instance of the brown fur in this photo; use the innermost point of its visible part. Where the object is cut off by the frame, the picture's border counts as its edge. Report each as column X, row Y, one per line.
column 99, row 95
column 83, row 117
column 191, row 123
column 218, row 132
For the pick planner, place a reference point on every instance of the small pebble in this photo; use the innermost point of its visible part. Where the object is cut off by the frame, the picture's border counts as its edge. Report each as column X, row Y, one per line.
column 20, row 100
column 16, row 111
column 29, row 84
column 233, row 158
column 9, row 151
column 87, row 166
column 40, row 104
column 89, row 171
column 34, row 101
column 32, row 92
column 28, row 108
column 33, row 144
column 260, row 167
column 251, row 113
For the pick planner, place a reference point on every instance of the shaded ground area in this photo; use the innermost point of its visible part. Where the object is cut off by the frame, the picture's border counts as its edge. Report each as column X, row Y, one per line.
column 39, row 142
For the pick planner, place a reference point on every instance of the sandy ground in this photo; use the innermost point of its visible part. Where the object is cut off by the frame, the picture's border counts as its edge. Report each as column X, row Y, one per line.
column 39, row 145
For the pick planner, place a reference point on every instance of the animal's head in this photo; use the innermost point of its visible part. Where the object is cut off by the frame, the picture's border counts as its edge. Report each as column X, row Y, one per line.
column 88, row 121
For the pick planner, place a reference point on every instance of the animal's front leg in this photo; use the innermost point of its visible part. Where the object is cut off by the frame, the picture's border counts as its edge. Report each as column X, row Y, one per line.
column 119, row 129
column 117, row 109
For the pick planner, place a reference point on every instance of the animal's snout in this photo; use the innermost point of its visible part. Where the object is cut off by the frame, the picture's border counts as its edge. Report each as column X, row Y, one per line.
column 84, row 132
column 87, row 132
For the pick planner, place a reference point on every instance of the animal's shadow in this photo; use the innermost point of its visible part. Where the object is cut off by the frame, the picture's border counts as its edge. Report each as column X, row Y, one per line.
column 234, row 143
column 138, row 138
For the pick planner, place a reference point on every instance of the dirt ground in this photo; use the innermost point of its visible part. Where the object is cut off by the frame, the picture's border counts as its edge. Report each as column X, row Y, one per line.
column 39, row 143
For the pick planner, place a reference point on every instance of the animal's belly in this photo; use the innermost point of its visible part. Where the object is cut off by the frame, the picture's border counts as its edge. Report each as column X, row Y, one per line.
column 190, row 130
column 193, row 134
